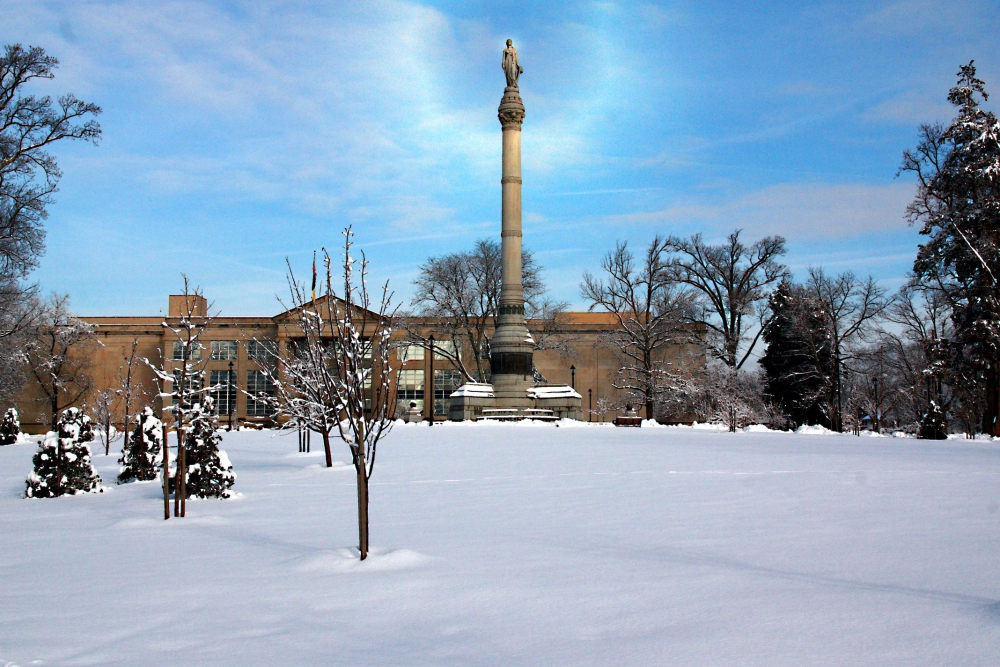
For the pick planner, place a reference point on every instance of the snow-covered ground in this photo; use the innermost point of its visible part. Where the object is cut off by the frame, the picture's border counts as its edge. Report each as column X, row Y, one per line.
column 517, row 544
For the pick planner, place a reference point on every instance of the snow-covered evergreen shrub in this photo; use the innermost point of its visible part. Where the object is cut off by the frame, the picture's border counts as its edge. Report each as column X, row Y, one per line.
column 10, row 428
column 209, row 472
column 62, row 462
column 934, row 424
column 142, row 455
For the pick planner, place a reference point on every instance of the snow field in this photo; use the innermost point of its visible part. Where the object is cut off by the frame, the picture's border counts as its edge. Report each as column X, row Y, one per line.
column 522, row 544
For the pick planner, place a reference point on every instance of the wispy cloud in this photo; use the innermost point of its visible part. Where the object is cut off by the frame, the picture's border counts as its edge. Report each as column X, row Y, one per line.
column 796, row 211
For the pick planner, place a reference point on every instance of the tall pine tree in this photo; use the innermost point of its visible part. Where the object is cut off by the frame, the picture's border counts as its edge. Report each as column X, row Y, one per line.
column 798, row 361
column 958, row 207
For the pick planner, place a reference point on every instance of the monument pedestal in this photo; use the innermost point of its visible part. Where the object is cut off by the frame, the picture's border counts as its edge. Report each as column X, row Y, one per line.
column 475, row 401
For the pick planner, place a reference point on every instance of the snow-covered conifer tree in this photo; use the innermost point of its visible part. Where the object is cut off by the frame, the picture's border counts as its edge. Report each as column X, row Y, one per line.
column 10, row 428
column 142, row 454
column 209, row 472
column 62, row 462
column 958, row 207
column 934, row 424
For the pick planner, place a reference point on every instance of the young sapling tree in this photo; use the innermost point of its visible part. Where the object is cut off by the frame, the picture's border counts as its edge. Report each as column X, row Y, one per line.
column 184, row 373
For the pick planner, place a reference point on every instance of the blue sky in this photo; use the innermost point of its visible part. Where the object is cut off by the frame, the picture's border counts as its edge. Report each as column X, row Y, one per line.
column 238, row 134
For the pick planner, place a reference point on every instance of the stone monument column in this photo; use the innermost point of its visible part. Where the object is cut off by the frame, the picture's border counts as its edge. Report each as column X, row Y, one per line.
column 511, row 346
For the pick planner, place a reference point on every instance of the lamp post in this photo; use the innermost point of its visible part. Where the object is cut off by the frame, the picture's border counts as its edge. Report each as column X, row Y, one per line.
column 230, row 398
column 590, row 404
column 572, row 374
column 430, row 383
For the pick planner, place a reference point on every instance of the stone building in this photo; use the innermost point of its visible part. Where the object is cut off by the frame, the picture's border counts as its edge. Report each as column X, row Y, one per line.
column 233, row 349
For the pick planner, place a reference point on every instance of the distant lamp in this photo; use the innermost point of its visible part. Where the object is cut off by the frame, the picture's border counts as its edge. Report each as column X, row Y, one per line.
column 431, row 384
column 231, row 398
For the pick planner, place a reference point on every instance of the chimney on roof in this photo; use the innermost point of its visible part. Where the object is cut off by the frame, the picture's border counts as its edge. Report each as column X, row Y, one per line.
column 180, row 305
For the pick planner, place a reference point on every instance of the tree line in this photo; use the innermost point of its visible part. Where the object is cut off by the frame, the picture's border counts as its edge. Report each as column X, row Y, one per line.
column 830, row 349
column 839, row 351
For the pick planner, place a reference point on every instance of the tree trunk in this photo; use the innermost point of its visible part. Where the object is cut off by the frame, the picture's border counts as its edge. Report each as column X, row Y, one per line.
column 359, row 466
column 180, row 473
column 991, row 415
column 166, row 479
column 182, row 479
column 59, row 465
column 55, row 403
column 326, row 446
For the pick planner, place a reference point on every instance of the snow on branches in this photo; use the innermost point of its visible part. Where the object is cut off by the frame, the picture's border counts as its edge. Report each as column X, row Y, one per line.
column 143, row 451
column 209, row 472
column 62, row 463
column 335, row 375
column 10, row 428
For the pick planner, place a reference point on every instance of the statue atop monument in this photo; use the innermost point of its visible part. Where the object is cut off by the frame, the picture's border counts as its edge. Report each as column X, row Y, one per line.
column 510, row 65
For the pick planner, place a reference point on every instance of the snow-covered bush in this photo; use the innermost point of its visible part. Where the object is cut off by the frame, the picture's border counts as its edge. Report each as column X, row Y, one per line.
column 62, row 462
column 934, row 424
column 10, row 428
column 209, row 472
column 142, row 454
column 723, row 395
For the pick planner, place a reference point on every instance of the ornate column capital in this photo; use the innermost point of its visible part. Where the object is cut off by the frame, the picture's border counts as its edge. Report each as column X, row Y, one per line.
column 511, row 111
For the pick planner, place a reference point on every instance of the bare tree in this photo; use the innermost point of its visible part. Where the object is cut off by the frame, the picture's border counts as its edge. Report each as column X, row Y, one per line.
column 921, row 345
column 187, row 385
column 648, row 309
column 874, row 386
column 129, row 391
column 548, row 329
column 104, row 411
column 305, row 375
column 56, row 355
column 19, row 306
column 364, row 390
column 733, row 281
column 118, row 400
column 852, row 306
column 339, row 375
column 460, row 293
column 29, row 127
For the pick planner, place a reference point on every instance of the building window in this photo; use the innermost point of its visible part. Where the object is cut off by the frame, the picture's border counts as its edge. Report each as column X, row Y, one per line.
column 193, row 383
column 445, row 382
column 444, row 347
column 224, row 350
column 259, row 386
column 262, row 351
column 193, row 355
column 223, row 391
column 368, row 390
column 410, row 389
column 410, row 353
